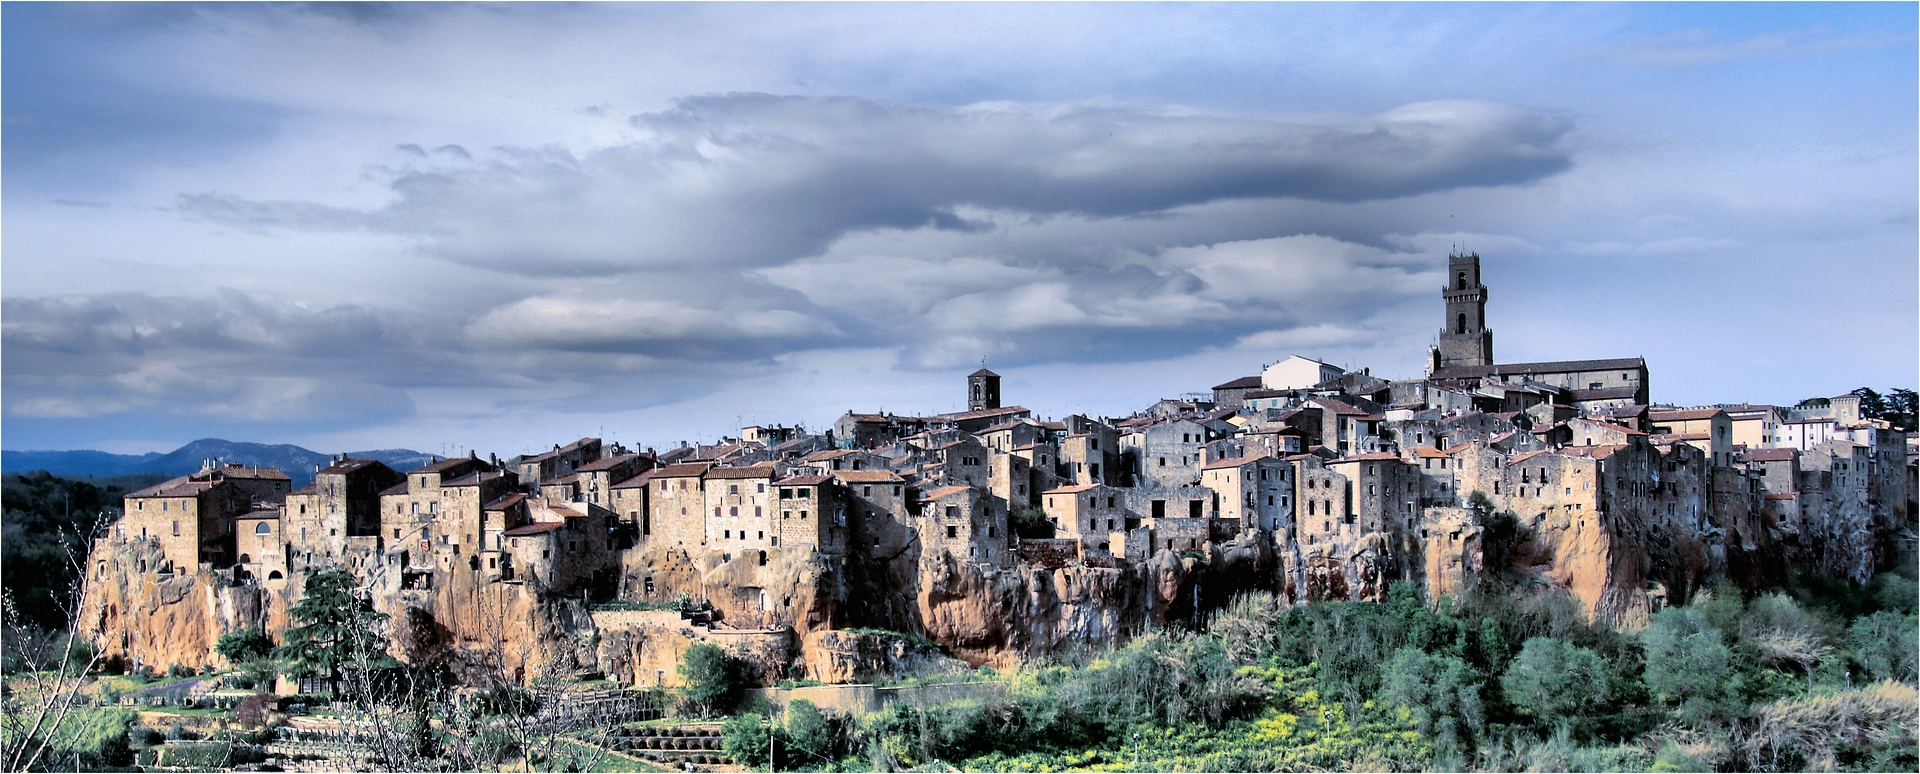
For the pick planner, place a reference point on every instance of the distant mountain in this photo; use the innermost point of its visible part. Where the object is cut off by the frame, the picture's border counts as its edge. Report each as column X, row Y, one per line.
column 298, row 463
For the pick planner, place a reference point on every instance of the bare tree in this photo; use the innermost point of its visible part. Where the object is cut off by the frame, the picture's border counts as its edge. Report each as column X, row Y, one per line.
column 54, row 665
column 416, row 718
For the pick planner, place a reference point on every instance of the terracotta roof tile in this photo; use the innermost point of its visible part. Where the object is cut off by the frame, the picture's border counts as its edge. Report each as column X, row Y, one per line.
column 945, row 491
column 1242, row 383
column 764, row 470
column 868, row 476
column 1234, row 462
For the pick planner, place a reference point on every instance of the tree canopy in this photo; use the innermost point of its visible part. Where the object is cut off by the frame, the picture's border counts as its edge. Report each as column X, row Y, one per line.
column 334, row 630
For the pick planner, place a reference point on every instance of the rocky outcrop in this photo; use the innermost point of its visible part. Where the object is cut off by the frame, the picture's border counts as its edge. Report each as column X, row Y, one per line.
column 864, row 657
column 142, row 617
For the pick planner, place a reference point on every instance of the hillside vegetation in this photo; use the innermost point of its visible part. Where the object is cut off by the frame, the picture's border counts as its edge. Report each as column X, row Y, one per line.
column 1818, row 677
column 45, row 517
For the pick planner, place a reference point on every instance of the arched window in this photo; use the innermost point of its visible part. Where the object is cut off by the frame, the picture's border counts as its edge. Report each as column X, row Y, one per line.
column 1462, row 281
column 1461, row 326
column 263, row 529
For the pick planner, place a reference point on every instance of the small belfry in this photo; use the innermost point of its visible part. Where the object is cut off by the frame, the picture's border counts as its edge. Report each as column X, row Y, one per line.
column 1465, row 339
column 983, row 390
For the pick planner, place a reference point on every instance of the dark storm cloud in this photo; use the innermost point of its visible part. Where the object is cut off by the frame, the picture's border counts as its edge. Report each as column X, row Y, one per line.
column 753, row 180
column 714, row 234
column 224, row 356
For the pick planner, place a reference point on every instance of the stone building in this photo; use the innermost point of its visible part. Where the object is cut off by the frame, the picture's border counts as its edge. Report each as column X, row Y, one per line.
column 739, row 507
column 342, row 502
column 813, row 512
column 595, row 480
column 877, row 510
column 496, row 519
column 962, row 521
column 457, row 532
column 679, row 501
column 257, row 540
column 1011, row 481
column 1168, row 453
column 1383, row 491
column 1089, row 453
column 1708, row 429
column 1233, row 394
column 963, row 462
column 1322, row 510
column 191, row 518
column 1090, row 513
column 1007, row 436
column 630, row 500
column 1252, row 491
column 562, row 461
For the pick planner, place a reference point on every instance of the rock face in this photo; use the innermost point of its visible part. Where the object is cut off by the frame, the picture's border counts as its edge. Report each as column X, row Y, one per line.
column 141, row 617
column 859, row 657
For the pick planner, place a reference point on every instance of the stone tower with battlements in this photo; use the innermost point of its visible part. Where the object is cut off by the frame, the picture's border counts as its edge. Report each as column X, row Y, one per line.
column 1465, row 340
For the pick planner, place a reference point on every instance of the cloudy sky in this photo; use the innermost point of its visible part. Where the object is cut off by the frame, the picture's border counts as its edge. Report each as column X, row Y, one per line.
column 448, row 226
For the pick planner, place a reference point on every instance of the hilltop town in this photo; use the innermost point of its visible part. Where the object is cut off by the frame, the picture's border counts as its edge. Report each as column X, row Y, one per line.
column 999, row 532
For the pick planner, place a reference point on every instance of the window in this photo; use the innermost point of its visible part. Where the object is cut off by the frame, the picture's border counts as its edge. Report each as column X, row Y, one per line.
column 176, row 529
column 953, row 531
column 1163, row 462
column 263, row 529
column 803, row 515
column 733, row 489
column 866, row 491
column 733, row 510
column 801, row 492
column 760, row 488
column 726, row 533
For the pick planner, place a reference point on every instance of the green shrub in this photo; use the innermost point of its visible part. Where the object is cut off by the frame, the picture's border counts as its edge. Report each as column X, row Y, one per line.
column 744, row 738
column 1442, row 691
column 244, row 645
column 1886, row 645
column 808, row 730
column 1895, row 592
column 706, row 679
column 1688, row 665
column 1031, row 524
column 1553, row 680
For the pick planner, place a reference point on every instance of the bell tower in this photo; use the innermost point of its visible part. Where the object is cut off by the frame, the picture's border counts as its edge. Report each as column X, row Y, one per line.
column 983, row 390
column 1465, row 339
